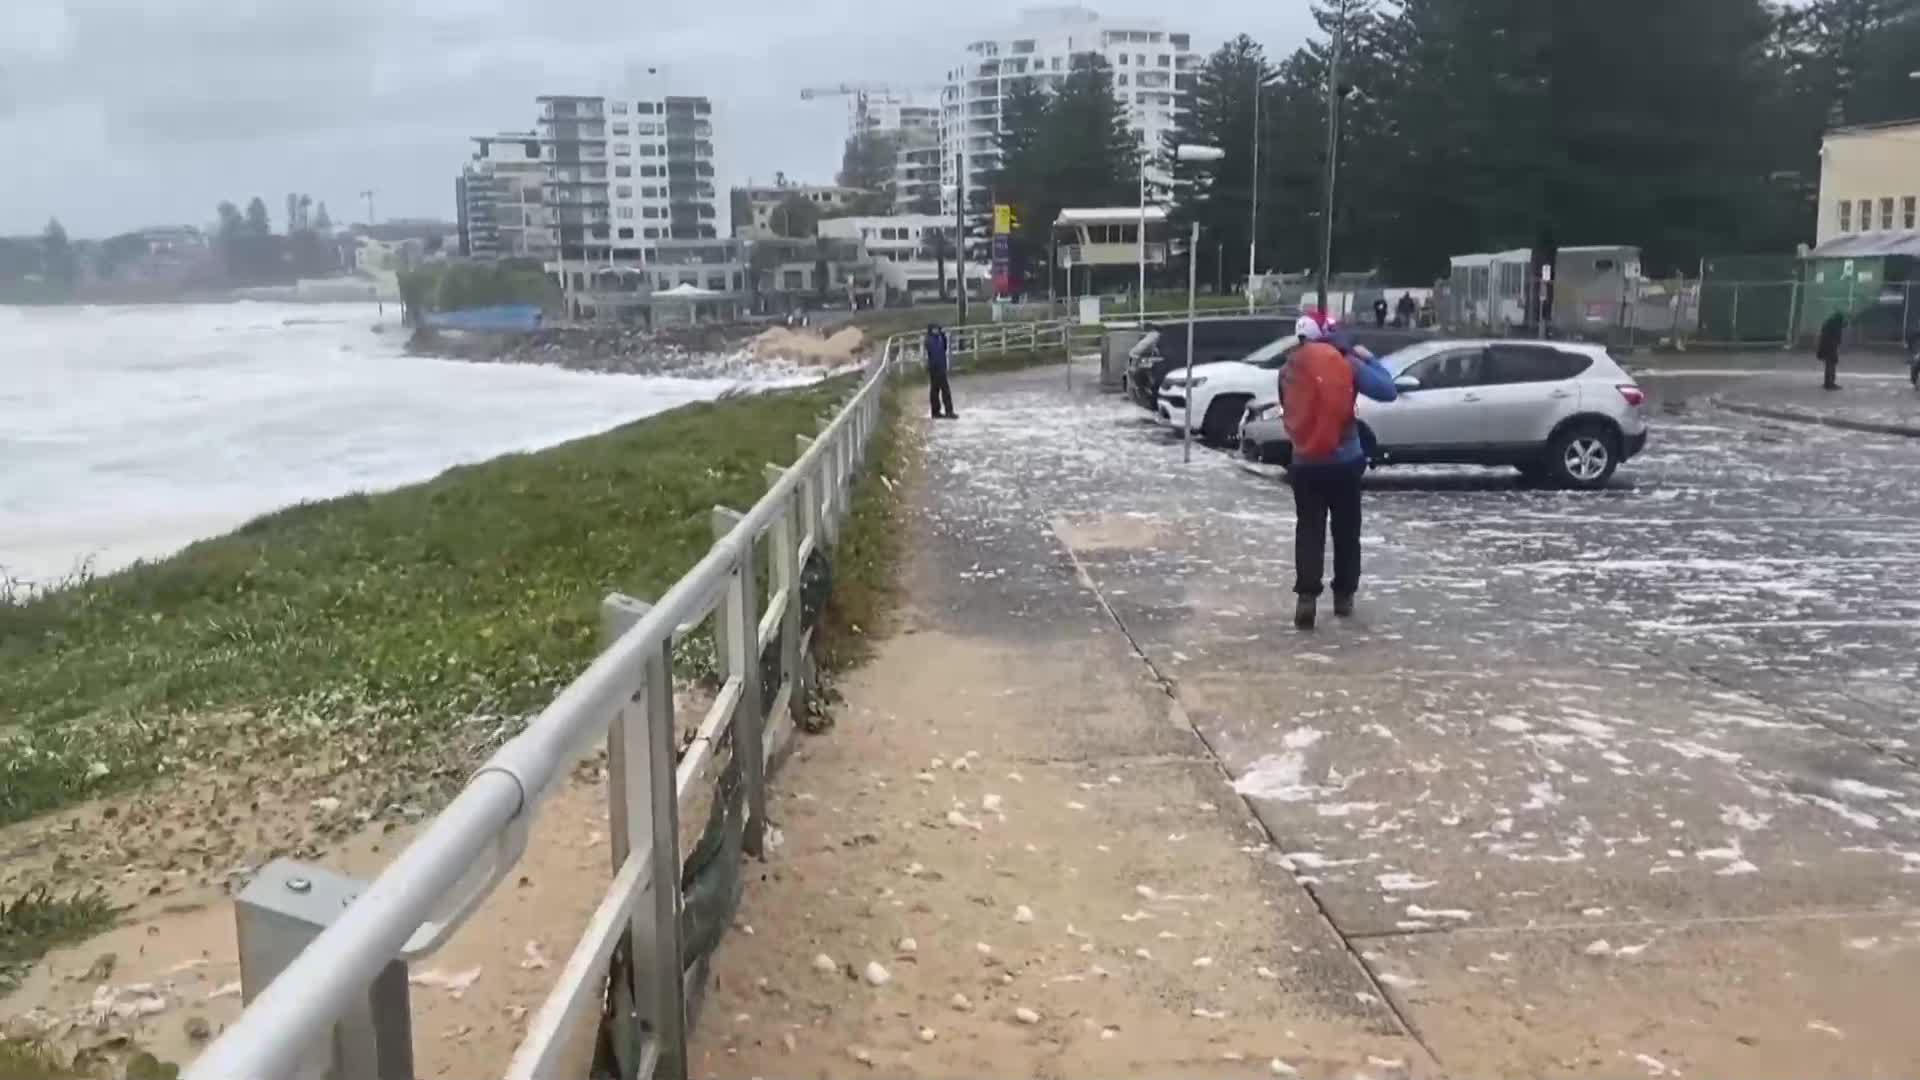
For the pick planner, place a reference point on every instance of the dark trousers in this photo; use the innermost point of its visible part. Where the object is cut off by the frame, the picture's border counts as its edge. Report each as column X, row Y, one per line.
column 1324, row 494
column 939, row 392
column 1832, row 364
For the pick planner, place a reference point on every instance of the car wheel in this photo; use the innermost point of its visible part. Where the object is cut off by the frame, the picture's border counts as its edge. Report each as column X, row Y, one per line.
column 1583, row 457
column 1222, row 421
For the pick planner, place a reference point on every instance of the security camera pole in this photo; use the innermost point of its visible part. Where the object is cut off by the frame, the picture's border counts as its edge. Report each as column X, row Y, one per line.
column 1190, row 152
column 1333, row 151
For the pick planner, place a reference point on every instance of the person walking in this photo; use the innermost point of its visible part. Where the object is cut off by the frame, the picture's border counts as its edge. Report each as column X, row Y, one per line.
column 1380, row 312
column 939, row 390
column 1406, row 311
column 1827, row 349
column 1318, row 389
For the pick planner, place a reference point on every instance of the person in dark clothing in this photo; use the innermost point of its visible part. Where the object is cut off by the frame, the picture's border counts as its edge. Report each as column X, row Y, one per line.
column 1406, row 311
column 1827, row 350
column 1326, row 488
column 939, row 390
column 1380, row 312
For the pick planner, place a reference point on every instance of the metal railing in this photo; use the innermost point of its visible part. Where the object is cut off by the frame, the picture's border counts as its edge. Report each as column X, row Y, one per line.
column 308, row 1015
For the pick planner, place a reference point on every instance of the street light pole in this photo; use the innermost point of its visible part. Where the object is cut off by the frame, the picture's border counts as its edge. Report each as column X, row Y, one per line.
column 960, row 231
column 1253, row 216
column 1197, row 154
column 1140, row 300
column 1333, row 150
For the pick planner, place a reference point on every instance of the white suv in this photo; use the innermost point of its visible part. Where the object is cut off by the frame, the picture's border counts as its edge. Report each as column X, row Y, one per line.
column 1222, row 390
column 1556, row 411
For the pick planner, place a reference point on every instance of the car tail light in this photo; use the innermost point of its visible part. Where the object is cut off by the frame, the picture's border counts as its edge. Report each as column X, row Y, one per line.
column 1634, row 395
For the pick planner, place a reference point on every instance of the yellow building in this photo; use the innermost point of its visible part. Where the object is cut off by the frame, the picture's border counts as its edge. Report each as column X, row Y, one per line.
column 1869, row 180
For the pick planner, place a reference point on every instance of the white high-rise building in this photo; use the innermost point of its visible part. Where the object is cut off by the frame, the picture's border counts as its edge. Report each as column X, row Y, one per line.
column 1152, row 69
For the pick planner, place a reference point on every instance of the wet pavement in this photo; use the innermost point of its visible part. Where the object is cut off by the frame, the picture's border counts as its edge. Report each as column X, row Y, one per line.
column 1646, row 747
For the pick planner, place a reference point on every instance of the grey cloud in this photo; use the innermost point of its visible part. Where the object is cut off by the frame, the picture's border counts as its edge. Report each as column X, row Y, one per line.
column 160, row 108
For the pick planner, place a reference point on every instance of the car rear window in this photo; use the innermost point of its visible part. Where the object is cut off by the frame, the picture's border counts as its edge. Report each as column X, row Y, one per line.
column 1535, row 363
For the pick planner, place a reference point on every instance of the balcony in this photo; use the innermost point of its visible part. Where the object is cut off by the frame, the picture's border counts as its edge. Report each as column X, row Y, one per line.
column 574, row 131
column 581, row 216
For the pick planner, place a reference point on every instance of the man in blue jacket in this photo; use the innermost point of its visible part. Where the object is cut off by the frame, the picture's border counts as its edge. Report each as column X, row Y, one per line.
column 939, row 391
column 1327, row 489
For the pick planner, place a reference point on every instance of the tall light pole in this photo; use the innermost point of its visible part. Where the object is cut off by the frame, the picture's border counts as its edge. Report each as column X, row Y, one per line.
column 1333, row 151
column 1253, row 215
column 368, row 195
column 1140, row 300
column 960, row 230
column 1191, row 152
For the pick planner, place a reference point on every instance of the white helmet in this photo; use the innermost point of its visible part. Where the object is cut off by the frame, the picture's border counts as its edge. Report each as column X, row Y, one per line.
column 1306, row 329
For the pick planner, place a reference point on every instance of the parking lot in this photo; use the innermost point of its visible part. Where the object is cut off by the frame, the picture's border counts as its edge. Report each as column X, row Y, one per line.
column 1620, row 782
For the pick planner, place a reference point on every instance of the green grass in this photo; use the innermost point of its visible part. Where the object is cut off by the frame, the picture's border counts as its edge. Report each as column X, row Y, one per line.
column 374, row 625
column 24, row 1061
column 38, row 921
column 872, row 542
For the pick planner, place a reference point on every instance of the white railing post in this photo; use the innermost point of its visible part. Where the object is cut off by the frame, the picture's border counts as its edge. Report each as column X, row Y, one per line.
column 644, row 806
column 737, row 635
column 809, row 500
column 659, row 955
column 785, row 538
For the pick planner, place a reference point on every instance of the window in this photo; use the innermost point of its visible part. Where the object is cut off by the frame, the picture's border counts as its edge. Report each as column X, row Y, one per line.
column 625, row 191
column 619, row 129
column 1846, row 215
column 1450, row 370
column 650, row 192
column 1056, row 63
column 622, row 171
column 1866, row 215
column 1533, row 363
column 651, row 233
column 619, row 108
column 1907, row 211
column 623, row 211
column 649, row 170
column 626, row 233
column 1166, row 61
column 1139, row 60
column 1123, row 59
column 1886, row 214
column 622, row 150
column 717, row 282
column 646, row 108
column 650, row 211
column 1122, row 80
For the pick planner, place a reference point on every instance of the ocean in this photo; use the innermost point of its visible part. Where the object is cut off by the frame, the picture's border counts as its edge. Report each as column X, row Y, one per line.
column 127, row 433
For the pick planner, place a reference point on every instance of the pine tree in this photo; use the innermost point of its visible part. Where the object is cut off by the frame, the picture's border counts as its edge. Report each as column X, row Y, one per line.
column 1220, row 113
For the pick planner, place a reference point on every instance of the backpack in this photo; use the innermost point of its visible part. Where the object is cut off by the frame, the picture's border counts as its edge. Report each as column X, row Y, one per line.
column 1317, row 400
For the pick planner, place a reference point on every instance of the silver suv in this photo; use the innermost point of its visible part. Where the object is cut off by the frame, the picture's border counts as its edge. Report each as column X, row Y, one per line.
column 1558, row 412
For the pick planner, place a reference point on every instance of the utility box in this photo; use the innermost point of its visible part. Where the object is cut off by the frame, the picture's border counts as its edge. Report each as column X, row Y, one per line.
column 279, row 913
column 1114, row 357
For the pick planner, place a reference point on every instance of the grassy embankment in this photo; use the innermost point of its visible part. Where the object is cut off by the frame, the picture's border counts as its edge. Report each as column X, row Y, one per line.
column 375, row 624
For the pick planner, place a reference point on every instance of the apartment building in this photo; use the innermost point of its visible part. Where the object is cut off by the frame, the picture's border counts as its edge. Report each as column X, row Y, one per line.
column 1153, row 67
column 896, row 238
column 757, row 207
column 1869, row 180
column 501, row 198
column 623, row 171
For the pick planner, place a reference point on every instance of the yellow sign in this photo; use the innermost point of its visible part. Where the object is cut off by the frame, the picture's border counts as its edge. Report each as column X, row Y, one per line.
column 1002, row 219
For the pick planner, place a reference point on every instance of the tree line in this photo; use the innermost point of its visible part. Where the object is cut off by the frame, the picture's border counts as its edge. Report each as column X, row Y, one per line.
column 251, row 253
column 1690, row 129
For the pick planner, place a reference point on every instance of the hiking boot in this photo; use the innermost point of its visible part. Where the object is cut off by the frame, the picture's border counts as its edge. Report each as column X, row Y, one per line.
column 1343, row 605
column 1304, row 611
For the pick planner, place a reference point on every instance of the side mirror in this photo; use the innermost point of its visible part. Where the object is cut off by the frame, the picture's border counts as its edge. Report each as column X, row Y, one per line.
column 1406, row 383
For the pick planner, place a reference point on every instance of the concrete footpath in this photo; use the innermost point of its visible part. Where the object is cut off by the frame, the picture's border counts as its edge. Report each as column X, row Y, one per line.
column 1612, row 784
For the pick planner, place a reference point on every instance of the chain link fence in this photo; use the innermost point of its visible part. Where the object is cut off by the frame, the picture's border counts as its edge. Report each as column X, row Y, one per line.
column 1682, row 312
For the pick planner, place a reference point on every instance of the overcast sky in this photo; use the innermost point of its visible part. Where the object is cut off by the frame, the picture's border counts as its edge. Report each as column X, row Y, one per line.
column 122, row 113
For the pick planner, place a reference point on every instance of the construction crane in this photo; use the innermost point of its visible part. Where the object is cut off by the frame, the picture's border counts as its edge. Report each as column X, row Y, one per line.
column 862, row 94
